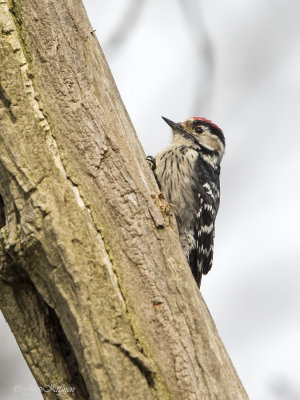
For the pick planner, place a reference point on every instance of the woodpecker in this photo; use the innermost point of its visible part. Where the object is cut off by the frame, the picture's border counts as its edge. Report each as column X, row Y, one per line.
column 187, row 172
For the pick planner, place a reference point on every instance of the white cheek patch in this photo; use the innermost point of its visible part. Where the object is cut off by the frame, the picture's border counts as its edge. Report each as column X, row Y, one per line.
column 207, row 145
column 212, row 142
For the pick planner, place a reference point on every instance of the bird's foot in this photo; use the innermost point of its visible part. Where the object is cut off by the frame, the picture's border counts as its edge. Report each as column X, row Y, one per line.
column 152, row 162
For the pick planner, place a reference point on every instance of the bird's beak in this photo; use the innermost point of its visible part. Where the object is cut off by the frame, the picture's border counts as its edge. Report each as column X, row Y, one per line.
column 172, row 124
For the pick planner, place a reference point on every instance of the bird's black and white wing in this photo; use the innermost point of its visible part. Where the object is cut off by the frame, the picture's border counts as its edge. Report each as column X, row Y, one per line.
column 201, row 256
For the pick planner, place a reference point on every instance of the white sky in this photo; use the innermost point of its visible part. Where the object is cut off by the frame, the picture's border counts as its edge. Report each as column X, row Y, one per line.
column 253, row 289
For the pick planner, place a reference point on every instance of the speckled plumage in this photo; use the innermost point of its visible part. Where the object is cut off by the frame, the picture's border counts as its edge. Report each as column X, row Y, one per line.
column 188, row 173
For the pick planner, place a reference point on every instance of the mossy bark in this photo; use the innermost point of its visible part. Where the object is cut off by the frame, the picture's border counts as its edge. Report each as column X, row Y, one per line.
column 94, row 284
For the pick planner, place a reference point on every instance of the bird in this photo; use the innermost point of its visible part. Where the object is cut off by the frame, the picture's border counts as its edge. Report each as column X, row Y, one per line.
column 188, row 174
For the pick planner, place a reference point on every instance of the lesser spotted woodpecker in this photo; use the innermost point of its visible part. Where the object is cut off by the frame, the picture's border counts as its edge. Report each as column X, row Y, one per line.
column 188, row 173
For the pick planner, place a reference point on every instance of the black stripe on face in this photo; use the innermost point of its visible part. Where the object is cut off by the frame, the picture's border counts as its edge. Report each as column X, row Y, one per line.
column 218, row 133
column 213, row 129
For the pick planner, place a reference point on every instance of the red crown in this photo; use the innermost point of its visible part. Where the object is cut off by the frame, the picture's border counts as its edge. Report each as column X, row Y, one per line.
column 209, row 122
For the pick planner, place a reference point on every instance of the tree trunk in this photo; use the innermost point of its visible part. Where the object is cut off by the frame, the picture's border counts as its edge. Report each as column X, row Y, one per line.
column 94, row 284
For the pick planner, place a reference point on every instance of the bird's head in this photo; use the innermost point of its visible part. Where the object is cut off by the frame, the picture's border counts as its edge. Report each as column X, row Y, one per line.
column 201, row 132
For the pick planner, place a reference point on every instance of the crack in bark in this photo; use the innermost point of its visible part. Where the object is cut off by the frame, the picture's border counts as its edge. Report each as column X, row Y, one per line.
column 58, row 353
column 144, row 366
column 7, row 104
column 2, row 212
column 62, row 346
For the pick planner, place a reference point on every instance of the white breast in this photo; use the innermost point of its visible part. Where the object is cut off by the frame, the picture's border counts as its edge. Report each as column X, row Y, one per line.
column 174, row 168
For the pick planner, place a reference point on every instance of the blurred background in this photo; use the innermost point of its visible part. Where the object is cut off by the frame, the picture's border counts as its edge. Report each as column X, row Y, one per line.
column 236, row 62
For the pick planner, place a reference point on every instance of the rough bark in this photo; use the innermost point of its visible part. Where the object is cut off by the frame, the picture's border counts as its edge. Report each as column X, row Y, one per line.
column 94, row 284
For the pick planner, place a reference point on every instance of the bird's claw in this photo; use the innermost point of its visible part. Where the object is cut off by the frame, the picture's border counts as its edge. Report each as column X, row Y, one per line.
column 152, row 162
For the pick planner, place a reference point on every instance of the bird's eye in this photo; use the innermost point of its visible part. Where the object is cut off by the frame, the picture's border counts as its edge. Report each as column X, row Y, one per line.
column 198, row 129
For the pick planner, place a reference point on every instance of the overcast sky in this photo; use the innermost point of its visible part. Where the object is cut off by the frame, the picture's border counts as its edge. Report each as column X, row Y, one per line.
column 236, row 62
